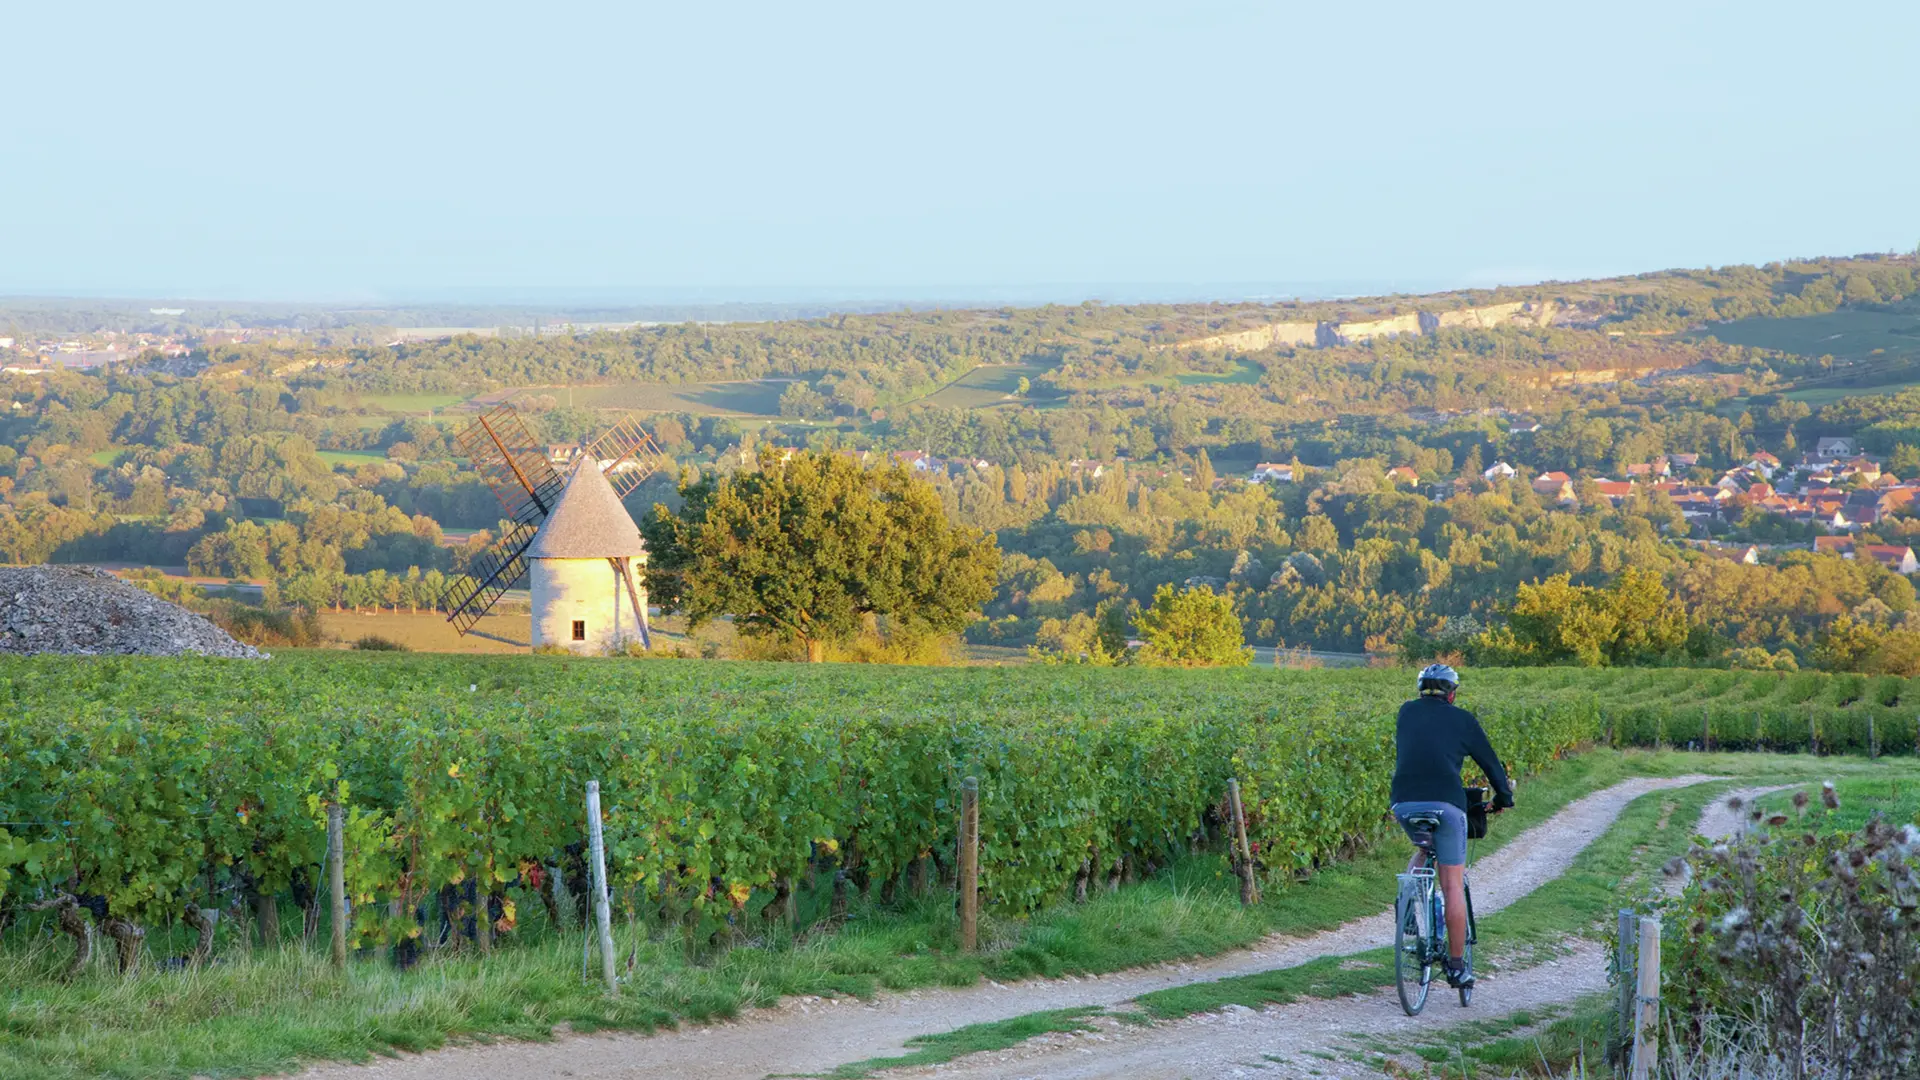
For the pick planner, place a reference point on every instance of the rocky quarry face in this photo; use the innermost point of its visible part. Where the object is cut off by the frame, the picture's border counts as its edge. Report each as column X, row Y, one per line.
column 82, row 611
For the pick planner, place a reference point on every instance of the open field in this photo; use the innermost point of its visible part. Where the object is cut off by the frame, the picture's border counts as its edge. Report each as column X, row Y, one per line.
column 350, row 459
column 1243, row 374
column 984, row 387
column 1849, row 333
column 413, row 403
column 750, row 397
column 429, row 631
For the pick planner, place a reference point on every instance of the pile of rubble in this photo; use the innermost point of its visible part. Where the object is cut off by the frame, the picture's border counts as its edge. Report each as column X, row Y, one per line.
column 87, row 612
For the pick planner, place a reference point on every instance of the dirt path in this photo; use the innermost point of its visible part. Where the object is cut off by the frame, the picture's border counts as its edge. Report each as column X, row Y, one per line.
column 1310, row 1033
column 1720, row 820
column 812, row 1035
column 1316, row 1033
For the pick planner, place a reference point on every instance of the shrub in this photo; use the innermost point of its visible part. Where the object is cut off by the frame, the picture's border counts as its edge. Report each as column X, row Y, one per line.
column 1802, row 949
column 297, row 628
column 376, row 643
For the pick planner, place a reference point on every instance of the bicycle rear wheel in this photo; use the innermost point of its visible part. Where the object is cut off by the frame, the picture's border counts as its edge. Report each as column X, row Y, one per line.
column 1466, row 952
column 1412, row 957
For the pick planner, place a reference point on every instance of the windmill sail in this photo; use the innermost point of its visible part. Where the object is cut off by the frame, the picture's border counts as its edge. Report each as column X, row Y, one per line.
column 512, row 464
column 490, row 574
column 627, row 455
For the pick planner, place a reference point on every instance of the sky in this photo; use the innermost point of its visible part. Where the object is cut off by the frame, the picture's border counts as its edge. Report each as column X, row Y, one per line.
column 413, row 150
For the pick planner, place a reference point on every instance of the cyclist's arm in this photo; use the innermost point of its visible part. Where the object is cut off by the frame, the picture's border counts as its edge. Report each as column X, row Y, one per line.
column 1481, row 750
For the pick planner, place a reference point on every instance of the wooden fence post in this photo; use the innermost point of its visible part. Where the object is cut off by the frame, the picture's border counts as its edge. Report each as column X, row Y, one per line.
column 1243, row 851
column 969, row 864
column 1646, row 1025
column 1873, row 739
column 1813, row 732
column 337, row 880
column 1706, row 731
column 602, row 910
column 1624, row 952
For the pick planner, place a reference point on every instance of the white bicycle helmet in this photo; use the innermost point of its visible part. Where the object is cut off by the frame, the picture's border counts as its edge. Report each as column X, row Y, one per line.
column 1438, row 679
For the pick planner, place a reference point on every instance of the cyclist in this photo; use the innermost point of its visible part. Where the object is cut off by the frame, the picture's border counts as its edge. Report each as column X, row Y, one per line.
column 1432, row 740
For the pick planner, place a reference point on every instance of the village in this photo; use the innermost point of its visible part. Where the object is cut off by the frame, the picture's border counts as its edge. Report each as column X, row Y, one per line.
column 1834, row 488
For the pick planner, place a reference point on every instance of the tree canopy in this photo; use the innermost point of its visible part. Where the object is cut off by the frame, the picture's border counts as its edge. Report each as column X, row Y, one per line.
column 805, row 549
column 1191, row 628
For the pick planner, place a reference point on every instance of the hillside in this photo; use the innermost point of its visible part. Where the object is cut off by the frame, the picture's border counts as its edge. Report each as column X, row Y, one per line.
column 1106, row 446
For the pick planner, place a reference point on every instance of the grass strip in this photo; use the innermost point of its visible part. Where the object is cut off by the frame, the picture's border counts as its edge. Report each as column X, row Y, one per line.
column 973, row 1039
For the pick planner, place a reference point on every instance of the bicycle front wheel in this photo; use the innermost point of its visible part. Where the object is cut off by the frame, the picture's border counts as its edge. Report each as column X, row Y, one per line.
column 1412, row 960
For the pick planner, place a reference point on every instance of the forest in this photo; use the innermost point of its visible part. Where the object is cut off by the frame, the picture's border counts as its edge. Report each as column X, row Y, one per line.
column 1119, row 467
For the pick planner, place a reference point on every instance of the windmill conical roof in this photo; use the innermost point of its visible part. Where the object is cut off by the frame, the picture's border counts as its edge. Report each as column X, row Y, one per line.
column 587, row 520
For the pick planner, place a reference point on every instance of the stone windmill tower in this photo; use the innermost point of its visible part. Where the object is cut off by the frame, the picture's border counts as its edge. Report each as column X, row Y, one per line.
column 581, row 568
column 572, row 540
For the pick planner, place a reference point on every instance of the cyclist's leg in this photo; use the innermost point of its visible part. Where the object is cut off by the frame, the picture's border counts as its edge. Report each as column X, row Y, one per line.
column 1453, row 885
column 1450, row 853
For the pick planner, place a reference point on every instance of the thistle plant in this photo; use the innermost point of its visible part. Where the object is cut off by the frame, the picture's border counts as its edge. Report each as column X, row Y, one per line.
column 1795, row 951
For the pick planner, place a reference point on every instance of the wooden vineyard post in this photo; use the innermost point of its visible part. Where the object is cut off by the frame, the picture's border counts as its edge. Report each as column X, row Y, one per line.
column 1624, row 951
column 602, row 910
column 1242, row 851
column 1813, row 733
column 1873, row 739
column 1706, row 731
column 969, row 864
column 1646, row 1024
column 337, row 880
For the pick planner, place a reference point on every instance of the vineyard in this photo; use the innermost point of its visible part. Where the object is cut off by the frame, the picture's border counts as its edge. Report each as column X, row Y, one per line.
column 151, row 793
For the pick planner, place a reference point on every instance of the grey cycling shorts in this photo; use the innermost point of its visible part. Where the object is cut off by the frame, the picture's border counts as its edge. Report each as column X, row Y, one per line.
column 1450, row 839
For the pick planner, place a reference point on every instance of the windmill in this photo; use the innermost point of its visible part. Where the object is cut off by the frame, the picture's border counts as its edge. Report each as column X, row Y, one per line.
column 522, row 477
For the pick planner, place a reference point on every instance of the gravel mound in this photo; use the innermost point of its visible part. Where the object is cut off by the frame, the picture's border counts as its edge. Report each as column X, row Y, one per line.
column 83, row 611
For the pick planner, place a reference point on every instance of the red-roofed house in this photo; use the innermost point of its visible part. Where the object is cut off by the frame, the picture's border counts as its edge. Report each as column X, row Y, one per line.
column 1834, row 545
column 1896, row 557
column 1555, row 485
column 1747, row 554
column 1614, row 490
column 1402, row 474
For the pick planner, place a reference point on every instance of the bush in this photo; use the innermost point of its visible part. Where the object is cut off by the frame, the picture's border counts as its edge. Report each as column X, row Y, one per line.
column 297, row 628
column 1799, row 948
column 376, row 643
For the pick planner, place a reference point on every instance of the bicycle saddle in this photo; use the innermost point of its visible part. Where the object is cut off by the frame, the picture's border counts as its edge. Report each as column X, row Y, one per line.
column 1422, row 827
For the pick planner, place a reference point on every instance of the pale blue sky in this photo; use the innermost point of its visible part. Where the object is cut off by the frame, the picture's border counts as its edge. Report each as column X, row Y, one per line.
column 326, row 151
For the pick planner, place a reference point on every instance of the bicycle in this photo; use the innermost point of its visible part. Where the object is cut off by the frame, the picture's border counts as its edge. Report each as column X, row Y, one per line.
column 1420, row 912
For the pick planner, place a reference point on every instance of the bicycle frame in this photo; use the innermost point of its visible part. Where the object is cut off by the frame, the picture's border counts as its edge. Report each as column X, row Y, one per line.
column 1420, row 894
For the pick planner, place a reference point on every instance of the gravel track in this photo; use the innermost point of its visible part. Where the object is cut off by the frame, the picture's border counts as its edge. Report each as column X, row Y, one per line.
column 1238, row 1041
column 808, row 1035
column 1312, row 1032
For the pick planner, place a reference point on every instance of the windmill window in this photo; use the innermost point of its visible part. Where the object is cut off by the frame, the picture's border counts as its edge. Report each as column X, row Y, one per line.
column 579, row 629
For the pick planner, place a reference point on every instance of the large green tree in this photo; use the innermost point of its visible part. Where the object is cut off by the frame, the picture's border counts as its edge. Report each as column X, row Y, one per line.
column 805, row 549
column 1192, row 628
